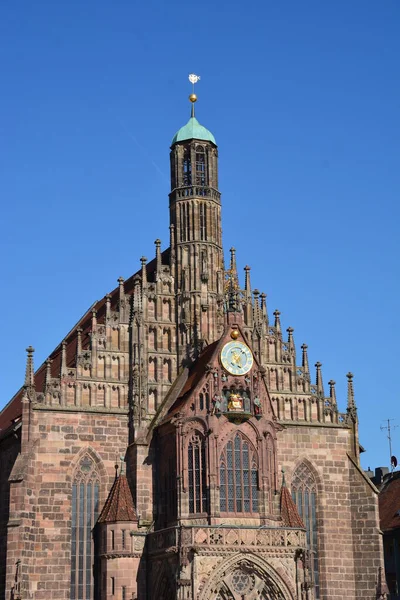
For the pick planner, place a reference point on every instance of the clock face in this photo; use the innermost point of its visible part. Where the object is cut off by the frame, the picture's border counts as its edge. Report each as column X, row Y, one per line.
column 236, row 358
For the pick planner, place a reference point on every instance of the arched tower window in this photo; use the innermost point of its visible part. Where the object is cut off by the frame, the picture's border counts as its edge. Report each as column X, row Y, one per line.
column 200, row 166
column 187, row 168
column 238, row 477
column 85, row 510
column 197, row 475
column 304, row 492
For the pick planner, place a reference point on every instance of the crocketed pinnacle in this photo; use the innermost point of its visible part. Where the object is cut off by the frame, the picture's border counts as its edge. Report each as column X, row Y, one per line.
column 318, row 379
column 233, row 268
column 264, row 311
column 332, row 393
column 277, row 321
column 247, row 282
column 29, row 383
column 351, row 405
column 143, row 261
column 232, row 285
column 306, row 368
column 29, row 373
column 64, row 355
column 158, row 257
column 290, row 336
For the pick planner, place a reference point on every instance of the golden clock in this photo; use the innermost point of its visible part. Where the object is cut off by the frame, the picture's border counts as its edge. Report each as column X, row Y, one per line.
column 236, row 358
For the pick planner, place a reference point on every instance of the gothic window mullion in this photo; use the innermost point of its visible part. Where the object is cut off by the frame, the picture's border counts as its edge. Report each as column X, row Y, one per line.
column 73, row 541
column 81, row 539
column 197, row 476
column 191, row 478
column 88, row 550
column 204, row 493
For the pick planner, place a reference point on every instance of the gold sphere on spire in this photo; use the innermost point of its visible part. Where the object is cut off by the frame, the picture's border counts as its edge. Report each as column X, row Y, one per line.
column 193, row 98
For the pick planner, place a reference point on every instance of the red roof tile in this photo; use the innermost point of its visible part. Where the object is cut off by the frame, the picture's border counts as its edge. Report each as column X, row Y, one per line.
column 197, row 370
column 119, row 504
column 289, row 512
column 389, row 503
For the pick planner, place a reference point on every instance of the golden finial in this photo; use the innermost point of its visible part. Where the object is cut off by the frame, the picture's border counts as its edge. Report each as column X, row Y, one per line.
column 193, row 98
column 234, row 334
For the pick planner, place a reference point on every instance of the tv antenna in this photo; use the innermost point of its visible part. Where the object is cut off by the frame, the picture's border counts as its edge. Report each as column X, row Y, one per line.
column 388, row 427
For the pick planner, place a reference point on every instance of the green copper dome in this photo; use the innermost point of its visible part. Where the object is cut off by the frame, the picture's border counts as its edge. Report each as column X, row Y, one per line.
column 193, row 130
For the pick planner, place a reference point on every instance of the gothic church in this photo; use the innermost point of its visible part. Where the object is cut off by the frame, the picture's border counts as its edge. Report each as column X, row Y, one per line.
column 240, row 478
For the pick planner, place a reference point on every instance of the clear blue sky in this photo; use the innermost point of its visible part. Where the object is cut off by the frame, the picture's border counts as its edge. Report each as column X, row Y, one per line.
column 303, row 99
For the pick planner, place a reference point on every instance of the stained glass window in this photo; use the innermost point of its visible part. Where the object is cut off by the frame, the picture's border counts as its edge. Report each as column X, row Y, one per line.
column 238, row 477
column 85, row 508
column 197, row 475
column 304, row 492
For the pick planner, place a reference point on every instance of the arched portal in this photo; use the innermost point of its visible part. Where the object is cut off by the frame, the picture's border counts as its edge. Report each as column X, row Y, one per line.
column 247, row 576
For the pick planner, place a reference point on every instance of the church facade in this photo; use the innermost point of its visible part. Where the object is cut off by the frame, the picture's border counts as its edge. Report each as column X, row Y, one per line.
column 240, row 477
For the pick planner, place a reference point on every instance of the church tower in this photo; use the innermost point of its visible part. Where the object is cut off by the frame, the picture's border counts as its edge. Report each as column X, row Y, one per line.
column 196, row 237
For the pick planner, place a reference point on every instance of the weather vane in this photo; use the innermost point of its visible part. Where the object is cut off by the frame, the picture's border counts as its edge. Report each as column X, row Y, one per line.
column 193, row 78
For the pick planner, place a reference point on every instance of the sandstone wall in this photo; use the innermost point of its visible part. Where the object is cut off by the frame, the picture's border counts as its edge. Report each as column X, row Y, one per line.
column 347, row 509
column 41, row 493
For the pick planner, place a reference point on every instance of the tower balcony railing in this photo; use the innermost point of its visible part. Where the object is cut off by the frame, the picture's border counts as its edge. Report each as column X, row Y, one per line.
column 192, row 191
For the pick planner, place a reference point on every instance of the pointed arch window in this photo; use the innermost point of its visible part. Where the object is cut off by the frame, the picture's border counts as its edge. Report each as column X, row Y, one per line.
column 187, row 168
column 238, row 477
column 200, row 166
column 197, row 475
column 304, row 493
column 84, row 514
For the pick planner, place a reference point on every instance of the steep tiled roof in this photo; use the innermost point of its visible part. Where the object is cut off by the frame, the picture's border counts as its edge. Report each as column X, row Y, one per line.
column 196, row 372
column 119, row 505
column 389, row 503
column 289, row 513
column 13, row 409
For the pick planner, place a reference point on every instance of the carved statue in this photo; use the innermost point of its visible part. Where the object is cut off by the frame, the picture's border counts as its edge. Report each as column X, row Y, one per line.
column 216, row 404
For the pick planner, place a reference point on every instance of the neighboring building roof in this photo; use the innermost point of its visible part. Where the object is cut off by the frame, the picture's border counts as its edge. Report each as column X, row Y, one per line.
column 13, row 409
column 119, row 504
column 193, row 131
column 289, row 512
column 389, row 503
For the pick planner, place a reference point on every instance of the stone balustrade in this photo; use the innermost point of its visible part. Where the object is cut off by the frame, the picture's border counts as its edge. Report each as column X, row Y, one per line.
column 168, row 540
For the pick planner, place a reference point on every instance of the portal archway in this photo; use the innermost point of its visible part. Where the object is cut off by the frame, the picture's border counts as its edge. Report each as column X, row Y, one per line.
column 247, row 576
